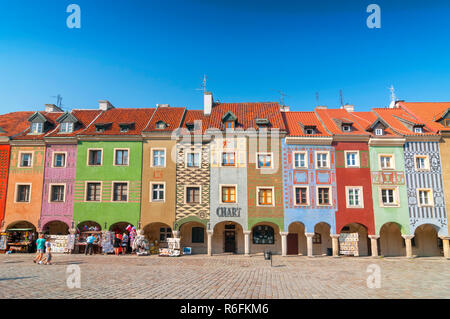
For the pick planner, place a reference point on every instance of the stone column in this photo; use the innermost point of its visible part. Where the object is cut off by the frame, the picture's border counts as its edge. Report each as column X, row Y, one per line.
column 283, row 243
column 176, row 234
column 446, row 246
column 374, row 244
column 408, row 245
column 335, row 245
column 309, row 243
column 210, row 234
column 247, row 242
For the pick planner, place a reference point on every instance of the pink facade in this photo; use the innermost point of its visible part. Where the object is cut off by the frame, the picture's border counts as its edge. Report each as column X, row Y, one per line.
column 59, row 210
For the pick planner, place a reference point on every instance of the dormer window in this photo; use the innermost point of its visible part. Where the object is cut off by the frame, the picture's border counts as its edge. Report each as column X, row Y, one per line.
column 101, row 127
column 346, row 128
column 66, row 127
column 379, row 131
column 161, row 125
column 309, row 131
column 190, row 126
column 418, row 129
column 37, row 128
column 125, row 127
column 229, row 125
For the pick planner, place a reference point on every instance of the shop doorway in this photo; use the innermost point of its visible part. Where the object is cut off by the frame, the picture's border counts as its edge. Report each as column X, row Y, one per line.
column 56, row 227
column 292, row 244
column 230, row 239
column 296, row 239
column 391, row 242
column 426, row 242
column 322, row 245
column 361, row 241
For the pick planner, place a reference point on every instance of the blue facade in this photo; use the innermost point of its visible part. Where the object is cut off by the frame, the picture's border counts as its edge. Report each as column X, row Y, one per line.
column 312, row 214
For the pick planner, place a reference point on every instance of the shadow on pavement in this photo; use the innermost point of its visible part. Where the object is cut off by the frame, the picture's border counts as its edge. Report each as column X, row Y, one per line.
column 17, row 278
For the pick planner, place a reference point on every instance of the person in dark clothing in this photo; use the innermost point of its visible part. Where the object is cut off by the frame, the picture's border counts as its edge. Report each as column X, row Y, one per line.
column 117, row 242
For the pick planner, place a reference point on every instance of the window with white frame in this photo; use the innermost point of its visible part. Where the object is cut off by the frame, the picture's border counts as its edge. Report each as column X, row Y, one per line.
column 418, row 129
column 66, row 127
column 95, row 157
column 59, row 160
column 228, row 194
column 300, row 160
column 157, row 192
column 379, row 131
column 193, row 159
column 422, row 162
column 322, row 160
column 386, row 162
column 93, row 192
column 351, row 159
column 264, row 160
column 324, row 196
column 121, row 157
column 265, row 196
column 425, row 197
column 389, row 197
column 26, row 160
column 354, row 197
column 301, row 194
column 192, row 195
column 23, row 193
column 159, row 158
column 57, row 193
column 37, row 128
column 228, row 159
column 120, row 192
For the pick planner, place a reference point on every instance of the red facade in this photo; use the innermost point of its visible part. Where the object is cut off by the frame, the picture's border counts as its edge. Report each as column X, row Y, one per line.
column 357, row 177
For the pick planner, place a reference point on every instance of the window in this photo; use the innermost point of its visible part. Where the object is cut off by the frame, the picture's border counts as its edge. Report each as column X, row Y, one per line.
column 164, row 233
column 317, row 238
column 192, row 159
column 301, row 195
column 26, row 159
column 193, row 195
column 228, row 194
column 354, row 197
column 99, row 129
column 265, row 196
column 346, row 128
column 386, row 162
column 120, row 192
column 157, row 194
column 229, row 124
column 228, row 159
column 300, row 160
column 425, row 197
column 37, row 128
column 93, row 192
column 389, row 197
column 59, row 160
column 323, row 195
column 352, row 159
column 121, row 157
column 310, row 131
column 379, row 131
column 322, row 160
column 159, row 158
column 447, row 122
column 264, row 160
column 422, row 162
column 418, row 130
column 57, row 193
column 161, row 125
column 66, row 127
column 198, row 235
column 263, row 235
column 95, row 157
column 23, row 193
column 262, row 127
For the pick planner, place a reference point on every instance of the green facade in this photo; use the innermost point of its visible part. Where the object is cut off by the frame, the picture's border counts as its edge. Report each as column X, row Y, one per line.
column 389, row 178
column 106, row 211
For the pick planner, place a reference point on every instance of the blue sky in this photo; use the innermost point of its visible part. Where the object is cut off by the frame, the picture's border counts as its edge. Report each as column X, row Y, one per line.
column 137, row 53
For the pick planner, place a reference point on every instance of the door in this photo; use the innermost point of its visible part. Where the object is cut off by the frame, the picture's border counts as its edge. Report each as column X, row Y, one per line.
column 292, row 244
column 230, row 241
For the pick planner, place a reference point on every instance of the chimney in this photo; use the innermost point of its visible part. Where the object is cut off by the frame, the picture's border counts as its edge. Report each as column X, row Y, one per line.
column 52, row 108
column 162, row 105
column 321, row 107
column 349, row 108
column 284, row 108
column 104, row 105
column 208, row 103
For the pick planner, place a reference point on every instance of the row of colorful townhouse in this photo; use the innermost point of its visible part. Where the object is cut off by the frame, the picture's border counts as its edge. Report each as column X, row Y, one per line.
column 235, row 177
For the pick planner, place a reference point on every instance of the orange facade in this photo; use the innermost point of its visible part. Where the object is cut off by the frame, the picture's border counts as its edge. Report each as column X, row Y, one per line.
column 4, row 167
column 25, row 206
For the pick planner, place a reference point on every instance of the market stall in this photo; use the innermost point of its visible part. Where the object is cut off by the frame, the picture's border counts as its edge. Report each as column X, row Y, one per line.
column 80, row 242
column 20, row 240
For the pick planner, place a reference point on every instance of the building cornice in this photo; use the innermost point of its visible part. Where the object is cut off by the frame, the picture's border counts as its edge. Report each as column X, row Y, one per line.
column 60, row 140
column 27, row 143
column 423, row 138
column 345, row 138
column 374, row 141
column 109, row 138
column 309, row 140
column 4, row 140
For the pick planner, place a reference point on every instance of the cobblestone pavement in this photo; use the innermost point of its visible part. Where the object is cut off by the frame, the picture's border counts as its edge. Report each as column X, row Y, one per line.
column 224, row 276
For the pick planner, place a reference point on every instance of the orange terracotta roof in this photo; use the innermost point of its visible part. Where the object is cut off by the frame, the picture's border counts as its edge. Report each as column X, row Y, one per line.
column 332, row 117
column 396, row 119
column 430, row 112
column 171, row 116
column 14, row 123
column 191, row 116
column 366, row 119
column 246, row 114
column 84, row 117
column 50, row 117
column 115, row 116
column 294, row 121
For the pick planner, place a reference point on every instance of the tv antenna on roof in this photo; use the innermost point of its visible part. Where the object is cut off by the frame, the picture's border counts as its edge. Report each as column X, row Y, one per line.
column 393, row 97
column 282, row 95
column 203, row 85
column 342, row 98
column 58, row 100
column 317, row 98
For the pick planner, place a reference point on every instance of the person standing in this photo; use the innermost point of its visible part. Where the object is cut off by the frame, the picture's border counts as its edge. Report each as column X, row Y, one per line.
column 117, row 242
column 124, row 243
column 90, row 244
column 40, row 246
column 48, row 254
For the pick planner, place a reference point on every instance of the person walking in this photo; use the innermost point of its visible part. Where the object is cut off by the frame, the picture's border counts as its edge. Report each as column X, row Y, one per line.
column 117, row 242
column 40, row 246
column 124, row 243
column 90, row 244
column 48, row 254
